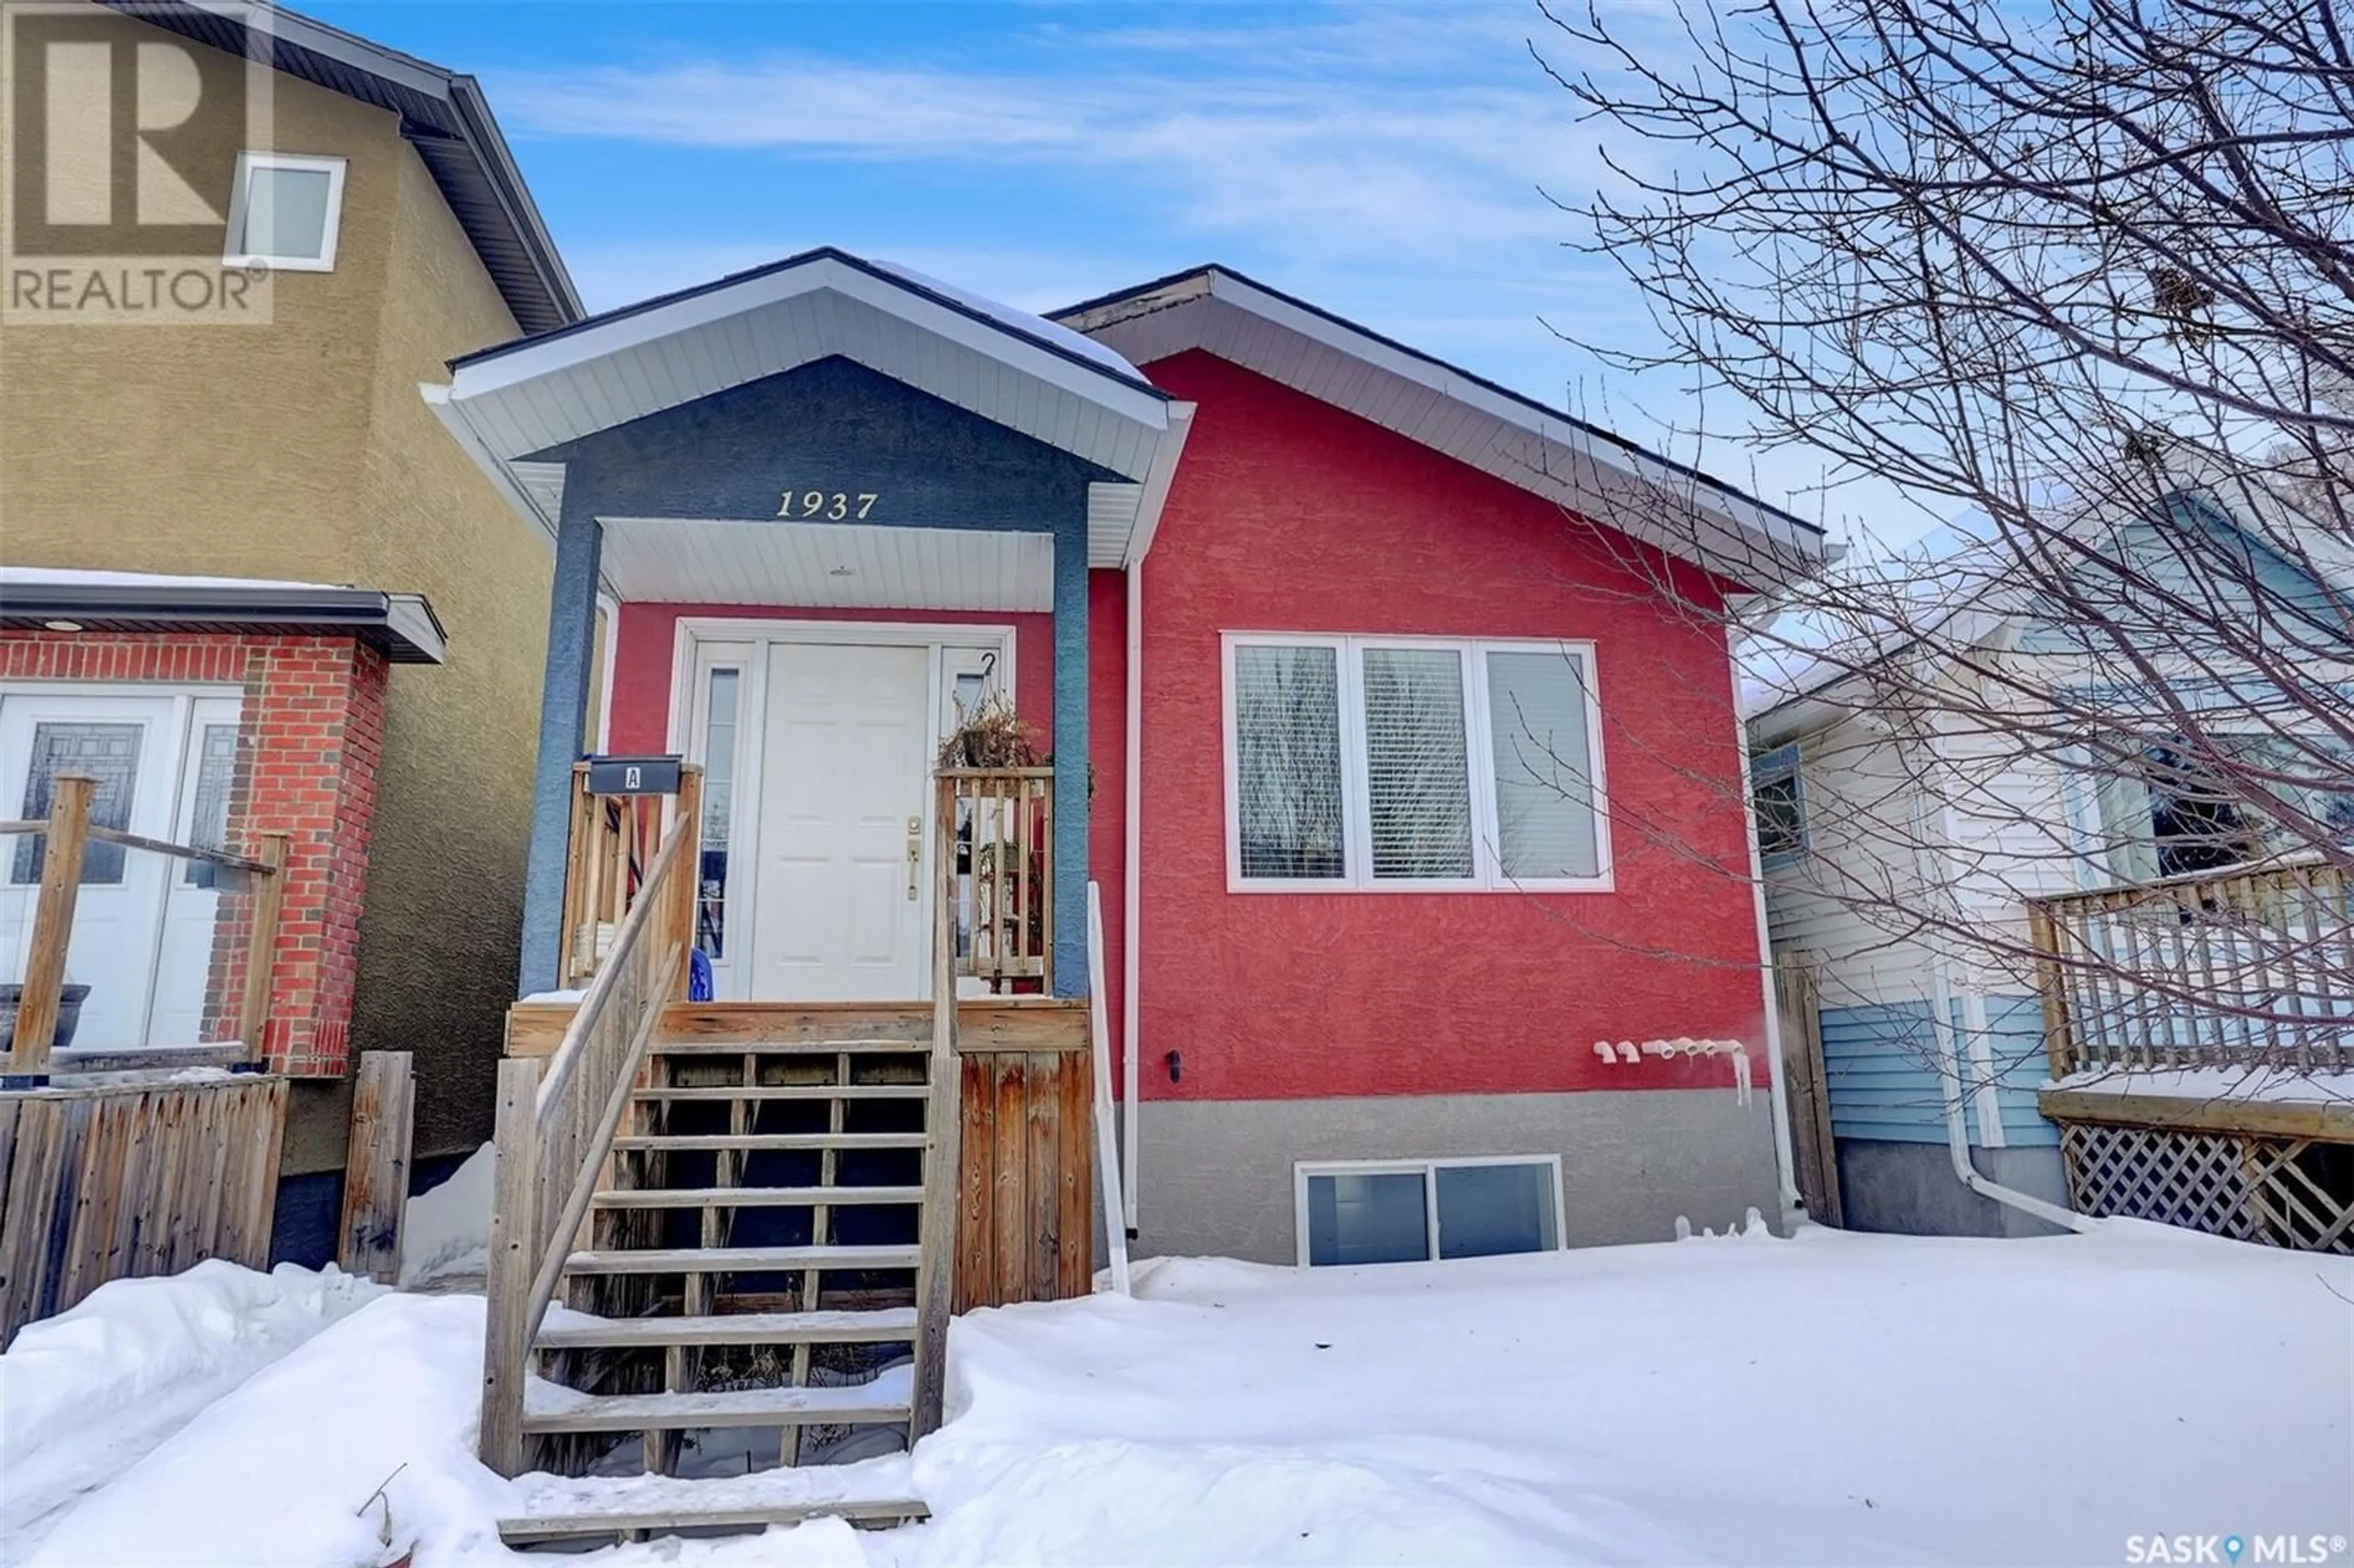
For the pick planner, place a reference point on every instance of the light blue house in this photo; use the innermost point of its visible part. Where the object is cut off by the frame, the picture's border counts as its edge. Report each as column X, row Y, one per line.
column 1989, row 861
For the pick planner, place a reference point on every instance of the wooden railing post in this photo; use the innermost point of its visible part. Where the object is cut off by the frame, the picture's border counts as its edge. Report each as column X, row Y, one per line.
column 935, row 1271
column 376, row 1167
column 261, row 948
column 687, row 875
column 2051, row 988
column 514, row 1247
column 45, row 966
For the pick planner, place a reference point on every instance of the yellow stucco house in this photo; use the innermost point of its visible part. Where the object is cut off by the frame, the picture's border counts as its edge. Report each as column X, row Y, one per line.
column 239, row 560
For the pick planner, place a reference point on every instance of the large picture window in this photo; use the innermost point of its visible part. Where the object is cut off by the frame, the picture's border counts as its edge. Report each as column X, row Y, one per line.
column 1407, row 763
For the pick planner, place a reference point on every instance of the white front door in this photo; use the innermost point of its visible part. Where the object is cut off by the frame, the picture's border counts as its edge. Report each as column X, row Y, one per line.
column 838, row 905
column 143, row 924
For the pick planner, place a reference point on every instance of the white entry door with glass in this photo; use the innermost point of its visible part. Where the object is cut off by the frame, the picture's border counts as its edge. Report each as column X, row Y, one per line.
column 816, row 876
column 143, row 931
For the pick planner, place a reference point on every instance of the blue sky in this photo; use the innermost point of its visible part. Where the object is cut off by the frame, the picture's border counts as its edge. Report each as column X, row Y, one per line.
column 1390, row 163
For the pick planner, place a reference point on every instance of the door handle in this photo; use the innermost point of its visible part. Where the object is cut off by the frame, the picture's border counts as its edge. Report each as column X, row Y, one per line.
column 915, row 855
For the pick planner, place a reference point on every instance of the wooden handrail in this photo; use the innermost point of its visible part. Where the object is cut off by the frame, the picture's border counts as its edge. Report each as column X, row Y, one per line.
column 197, row 852
column 943, row 1118
column 557, row 1117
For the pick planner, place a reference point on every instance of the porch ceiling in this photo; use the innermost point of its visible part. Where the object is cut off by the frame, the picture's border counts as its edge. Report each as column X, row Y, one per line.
column 830, row 566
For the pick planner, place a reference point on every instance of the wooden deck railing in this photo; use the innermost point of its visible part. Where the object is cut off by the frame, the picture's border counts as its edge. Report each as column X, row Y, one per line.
column 68, row 832
column 2249, row 966
column 613, row 837
column 558, row 1114
column 1001, row 879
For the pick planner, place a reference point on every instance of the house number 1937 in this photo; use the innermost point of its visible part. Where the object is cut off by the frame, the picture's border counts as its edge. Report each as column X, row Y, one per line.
column 832, row 504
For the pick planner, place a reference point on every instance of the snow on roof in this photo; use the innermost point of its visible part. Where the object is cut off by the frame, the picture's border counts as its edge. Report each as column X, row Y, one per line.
column 80, row 576
column 1019, row 321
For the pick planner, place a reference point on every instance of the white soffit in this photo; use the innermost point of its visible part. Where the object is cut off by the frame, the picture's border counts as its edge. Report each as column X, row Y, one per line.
column 548, row 390
column 830, row 566
column 1455, row 414
column 1111, row 523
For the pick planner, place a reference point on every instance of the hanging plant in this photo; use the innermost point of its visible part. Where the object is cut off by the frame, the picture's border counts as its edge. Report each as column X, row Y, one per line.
column 991, row 736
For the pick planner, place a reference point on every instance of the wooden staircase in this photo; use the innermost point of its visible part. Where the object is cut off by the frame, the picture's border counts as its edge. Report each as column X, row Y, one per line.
column 721, row 1232
column 748, row 1275
column 725, row 1230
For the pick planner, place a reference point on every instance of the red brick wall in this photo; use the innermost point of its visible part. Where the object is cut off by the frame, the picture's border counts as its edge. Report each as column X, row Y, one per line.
column 1288, row 515
column 311, row 736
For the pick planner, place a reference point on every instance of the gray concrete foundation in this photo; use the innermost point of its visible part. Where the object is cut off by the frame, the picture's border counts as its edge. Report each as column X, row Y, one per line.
column 1911, row 1188
column 1216, row 1176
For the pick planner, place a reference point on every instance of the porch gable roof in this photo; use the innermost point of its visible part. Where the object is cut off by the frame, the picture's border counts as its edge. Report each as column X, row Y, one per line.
column 1664, row 503
column 508, row 403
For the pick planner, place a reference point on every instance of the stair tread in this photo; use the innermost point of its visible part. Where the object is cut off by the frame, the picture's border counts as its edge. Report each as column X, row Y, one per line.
column 518, row 1528
column 752, row 1197
column 726, row 1092
column 691, row 1045
column 876, row 1491
column 881, row 1325
column 552, row 1408
column 694, row 1141
column 738, row 1259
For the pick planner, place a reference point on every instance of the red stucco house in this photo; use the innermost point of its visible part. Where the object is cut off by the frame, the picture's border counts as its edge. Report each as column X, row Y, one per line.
column 1392, row 714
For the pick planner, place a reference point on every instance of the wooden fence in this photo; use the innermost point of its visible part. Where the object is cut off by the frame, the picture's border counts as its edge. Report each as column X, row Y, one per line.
column 2252, row 966
column 118, row 1181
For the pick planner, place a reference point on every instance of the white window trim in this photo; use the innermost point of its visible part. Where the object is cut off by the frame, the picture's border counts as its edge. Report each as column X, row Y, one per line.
column 1487, row 875
column 1428, row 1169
column 239, row 193
column 1783, row 762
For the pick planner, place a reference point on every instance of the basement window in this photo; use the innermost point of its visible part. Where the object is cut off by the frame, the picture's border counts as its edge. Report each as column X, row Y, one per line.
column 1417, row 1210
column 284, row 212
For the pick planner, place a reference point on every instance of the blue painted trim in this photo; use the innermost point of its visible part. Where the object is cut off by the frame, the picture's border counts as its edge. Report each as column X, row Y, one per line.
column 564, row 701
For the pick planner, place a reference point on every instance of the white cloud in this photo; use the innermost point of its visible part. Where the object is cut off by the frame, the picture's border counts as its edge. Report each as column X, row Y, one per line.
column 1386, row 162
column 1427, row 132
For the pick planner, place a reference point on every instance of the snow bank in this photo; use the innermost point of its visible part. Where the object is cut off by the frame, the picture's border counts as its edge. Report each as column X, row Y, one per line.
column 87, row 1392
column 1835, row 1398
column 1832, row 1398
column 447, row 1231
column 280, row 1472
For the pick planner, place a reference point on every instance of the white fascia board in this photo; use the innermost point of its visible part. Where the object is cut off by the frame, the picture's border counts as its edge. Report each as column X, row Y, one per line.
column 1744, row 515
column 1157, row 480
column 454, row 419
column 580, row 346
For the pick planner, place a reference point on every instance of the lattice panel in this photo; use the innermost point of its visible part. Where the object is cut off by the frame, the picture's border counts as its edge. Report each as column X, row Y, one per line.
column 2251, row 1189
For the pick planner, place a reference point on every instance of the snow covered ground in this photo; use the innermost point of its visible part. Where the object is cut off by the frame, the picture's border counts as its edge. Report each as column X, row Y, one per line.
column 87, row 1393
column 1835, row 1398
